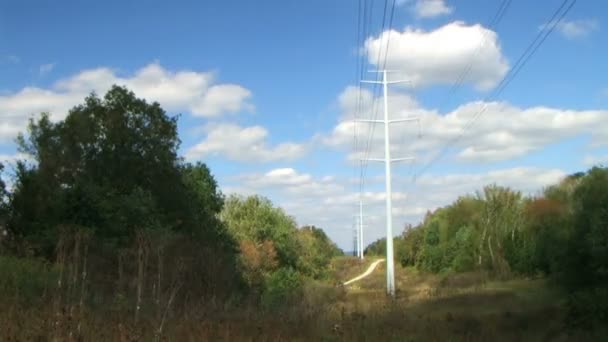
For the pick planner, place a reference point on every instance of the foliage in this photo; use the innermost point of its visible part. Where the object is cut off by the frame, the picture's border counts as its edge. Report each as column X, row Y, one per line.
column 255, row 219
column 588, row 307
column 270, row 241
column 282, row 288
column 586, row 262
column 109, row 202
column 28, row 281
column 377, row 247
column 317, row 251
column 561, row 233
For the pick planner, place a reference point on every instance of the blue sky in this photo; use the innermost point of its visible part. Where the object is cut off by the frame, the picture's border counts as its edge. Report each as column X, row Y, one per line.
column 266, row 92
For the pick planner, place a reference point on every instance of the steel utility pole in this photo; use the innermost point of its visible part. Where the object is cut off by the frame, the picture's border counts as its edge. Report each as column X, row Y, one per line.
column 361, row 229
column 390, row 261
column 355, row 243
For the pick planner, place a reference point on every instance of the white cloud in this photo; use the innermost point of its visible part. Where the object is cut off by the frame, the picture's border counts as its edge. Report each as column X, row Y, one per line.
column 46, row 68
column 441, row 55
column 224, row 98
column 189, row 91
column 503, row 132
column 248, row 144
column 576, row 28
column 593, row 160
column 331, row 203
column 292, row 182
column 526, row 179
column 12, row 159
column 431, row 8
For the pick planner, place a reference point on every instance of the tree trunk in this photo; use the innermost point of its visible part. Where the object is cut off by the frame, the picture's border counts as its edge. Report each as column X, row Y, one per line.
column 490, row 249
column 140, row 275
column 82, row 285
column 483, row 237
column 159, row 255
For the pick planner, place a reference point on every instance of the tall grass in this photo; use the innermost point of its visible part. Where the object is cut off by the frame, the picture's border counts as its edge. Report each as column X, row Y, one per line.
column 466, row 307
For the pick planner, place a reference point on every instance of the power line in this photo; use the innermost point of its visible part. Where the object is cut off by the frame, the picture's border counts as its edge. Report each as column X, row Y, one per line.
column 374, row 103
column 362, row 163
column 365, row 21
column 366, row 24
column 500, row 12
column 513, row 72
column 357, row 72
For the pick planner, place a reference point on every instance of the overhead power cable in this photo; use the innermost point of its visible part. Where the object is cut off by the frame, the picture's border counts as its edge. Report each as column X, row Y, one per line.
column 531, row 49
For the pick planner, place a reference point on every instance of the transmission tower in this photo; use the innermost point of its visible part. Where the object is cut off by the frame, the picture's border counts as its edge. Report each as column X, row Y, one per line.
column 390, row 261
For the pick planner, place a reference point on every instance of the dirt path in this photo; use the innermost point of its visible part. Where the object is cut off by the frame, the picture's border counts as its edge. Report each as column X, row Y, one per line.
column 369, row 271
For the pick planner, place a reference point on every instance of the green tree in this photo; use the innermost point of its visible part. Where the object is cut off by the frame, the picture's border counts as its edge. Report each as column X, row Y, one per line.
column 255, row 219
column 501, row 219
column 109, row 164
column 108, row 177
column 586, row 260
column 410, row 245
column 317, row 251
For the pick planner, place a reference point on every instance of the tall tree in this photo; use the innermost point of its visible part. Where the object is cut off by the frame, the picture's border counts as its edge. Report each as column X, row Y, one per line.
column 111, row 168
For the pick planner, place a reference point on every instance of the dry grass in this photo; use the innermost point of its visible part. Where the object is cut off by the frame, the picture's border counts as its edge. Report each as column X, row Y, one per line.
column 347, row 267
column 464, row 307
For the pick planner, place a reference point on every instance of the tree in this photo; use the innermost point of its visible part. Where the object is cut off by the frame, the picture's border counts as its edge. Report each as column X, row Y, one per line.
column 408, row 251
column 586, row 260
column 255, row 219
column 317, row 250
column 103, row 156
column 501, row 219
column 110, row 170
column 267, row 237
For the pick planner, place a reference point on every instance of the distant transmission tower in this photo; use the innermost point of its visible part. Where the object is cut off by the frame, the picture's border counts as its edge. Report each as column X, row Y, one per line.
column 361, row 256
column 390, row 261
column 355, row 242
column 359, row 231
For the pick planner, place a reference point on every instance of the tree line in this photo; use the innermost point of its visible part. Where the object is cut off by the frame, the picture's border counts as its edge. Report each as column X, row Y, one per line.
column 104, row 215
column 561, row 233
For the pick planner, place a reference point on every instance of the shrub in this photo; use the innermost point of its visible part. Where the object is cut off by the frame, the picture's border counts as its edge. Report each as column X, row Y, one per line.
column 588, row 307
column 25, row 280
column 282, row 288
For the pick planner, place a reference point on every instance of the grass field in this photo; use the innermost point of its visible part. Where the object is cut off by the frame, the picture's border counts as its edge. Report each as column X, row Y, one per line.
column 454, row 307
column 460, row 307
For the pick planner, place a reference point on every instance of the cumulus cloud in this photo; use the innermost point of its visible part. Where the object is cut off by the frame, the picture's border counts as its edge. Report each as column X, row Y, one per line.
column 330, row 201
column 593, row 160
column 293, row 182
column 503, row 132
column 189, row 91
column 431, row 8
column 247, row 144
column 440, row 56
column 576, row 28
column 223, row 98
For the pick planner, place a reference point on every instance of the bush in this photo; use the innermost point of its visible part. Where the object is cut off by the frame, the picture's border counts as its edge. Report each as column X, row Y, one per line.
column 463, row 250
column 282, row 288
column 316, row 294
column 588, row 307
column 25, row 280
column 431, row 259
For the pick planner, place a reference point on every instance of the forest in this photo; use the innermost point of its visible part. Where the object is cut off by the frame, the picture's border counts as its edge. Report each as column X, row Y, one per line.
column 106, row 222
column 108, row 234
column 560, row 233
